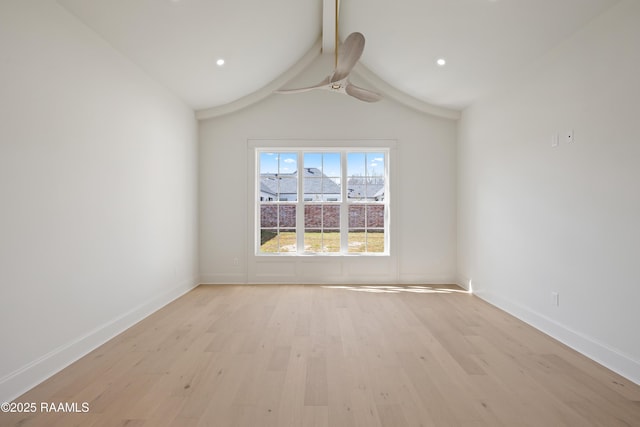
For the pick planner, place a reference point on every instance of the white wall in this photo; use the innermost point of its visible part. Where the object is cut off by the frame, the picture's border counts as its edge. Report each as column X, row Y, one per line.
column 98, row 195
column 535, row 219
column 423, row 171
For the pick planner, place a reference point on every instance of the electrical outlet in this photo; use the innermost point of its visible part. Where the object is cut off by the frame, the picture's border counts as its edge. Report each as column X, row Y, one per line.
column 555, row 299
column 236, row 261
column 555, row 139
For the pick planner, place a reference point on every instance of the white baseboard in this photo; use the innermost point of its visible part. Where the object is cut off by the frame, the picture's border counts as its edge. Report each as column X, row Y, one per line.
column 241, row 279
column 224, row 279
column 416, row 279
column 597, row 351
column 33, row 373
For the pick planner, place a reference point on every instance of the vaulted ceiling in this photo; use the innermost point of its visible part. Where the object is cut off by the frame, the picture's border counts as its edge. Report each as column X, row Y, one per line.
column 484, row 42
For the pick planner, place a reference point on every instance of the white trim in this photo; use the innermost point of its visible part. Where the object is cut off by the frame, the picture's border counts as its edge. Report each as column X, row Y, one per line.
column 304, row 269
column 360, row 70
column 305, row 144
column 328, row 26
column 224, row 279
column 597, row 351
column 33, row 373
column 403, row 98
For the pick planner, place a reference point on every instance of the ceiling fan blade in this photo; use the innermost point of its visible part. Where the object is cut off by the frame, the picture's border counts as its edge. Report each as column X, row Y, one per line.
column 304, row 89
column 362, row 94
column 349, row 54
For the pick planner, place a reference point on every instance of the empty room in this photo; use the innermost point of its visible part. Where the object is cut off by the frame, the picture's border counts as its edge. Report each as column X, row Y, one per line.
column 319, row 213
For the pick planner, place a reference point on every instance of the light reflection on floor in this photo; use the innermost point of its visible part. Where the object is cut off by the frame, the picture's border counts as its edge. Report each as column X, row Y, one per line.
column 400, row 289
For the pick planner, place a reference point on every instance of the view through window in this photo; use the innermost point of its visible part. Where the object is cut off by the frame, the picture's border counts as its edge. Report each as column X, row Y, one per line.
column 323, row 202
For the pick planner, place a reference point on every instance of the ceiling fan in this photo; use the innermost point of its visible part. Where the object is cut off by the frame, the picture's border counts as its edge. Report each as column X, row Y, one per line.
column 345, row 59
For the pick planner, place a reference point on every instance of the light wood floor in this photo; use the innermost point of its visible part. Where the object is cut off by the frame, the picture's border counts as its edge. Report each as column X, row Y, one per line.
column 334, row 356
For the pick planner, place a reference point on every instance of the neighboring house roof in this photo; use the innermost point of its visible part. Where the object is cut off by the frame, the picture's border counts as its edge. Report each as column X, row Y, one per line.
column 264, row 188
column 368, row 191
column 288, row 183
column 380, row 194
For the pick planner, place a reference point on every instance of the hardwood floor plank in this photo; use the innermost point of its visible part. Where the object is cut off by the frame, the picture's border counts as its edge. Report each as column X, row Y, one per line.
column 315, row 416
column 334, row 356
column 291, row 408
column 316, row 391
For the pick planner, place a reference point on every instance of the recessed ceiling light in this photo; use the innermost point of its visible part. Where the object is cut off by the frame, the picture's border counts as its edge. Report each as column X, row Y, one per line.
column 220, row 62
column 441, row 62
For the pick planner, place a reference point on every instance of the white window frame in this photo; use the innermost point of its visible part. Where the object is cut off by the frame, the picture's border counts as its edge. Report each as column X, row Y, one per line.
column 301, row 147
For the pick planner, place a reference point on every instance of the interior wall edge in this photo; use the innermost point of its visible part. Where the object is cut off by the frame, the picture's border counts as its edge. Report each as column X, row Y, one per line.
column 35, row 372
column 463, row 282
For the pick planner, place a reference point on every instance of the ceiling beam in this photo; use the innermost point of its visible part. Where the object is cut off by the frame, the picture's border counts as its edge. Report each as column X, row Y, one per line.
column 328, row 26
column 360, row 71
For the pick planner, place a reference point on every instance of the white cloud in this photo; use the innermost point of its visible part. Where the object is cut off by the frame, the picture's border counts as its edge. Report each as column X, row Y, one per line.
column 289, row 160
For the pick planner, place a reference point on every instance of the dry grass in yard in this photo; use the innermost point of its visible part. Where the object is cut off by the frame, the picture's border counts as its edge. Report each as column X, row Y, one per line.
column 359, row 242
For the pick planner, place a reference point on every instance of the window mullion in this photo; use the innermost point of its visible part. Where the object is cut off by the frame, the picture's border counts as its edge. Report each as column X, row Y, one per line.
column 344, row 205
column 300, row 205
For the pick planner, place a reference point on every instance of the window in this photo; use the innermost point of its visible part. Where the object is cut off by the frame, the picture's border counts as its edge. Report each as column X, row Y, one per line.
column 329, row 201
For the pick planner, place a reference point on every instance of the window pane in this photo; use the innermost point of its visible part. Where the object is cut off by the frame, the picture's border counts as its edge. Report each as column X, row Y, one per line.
column 313, row 161
column 313, row 189
column 268, row 241
column 288, row 240
column 356, row 164
column 273, row 241
column 313, row 240
column 331, row 165
column 288, row 186
column 322, row 241
column 268, row 188
column 357, row 240
column 366, row 228
column 375, row 164
column 375, row 216
column 357, row 216
column 269, row 163
column 370, row 241
column 322, row 174
column 322, row 228
column 375, row 240
column 331, row 190
column 268, row 216
column 313, row 216
column 331, row 240
column 278, row 163
column 278, row 177
column 277, row 228
column 288, row 163
column 366, row 172
column 331, row 216
column 287, row 217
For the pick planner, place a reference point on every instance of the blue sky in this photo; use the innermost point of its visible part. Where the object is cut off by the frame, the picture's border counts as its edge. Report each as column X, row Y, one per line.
column 358, row 164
